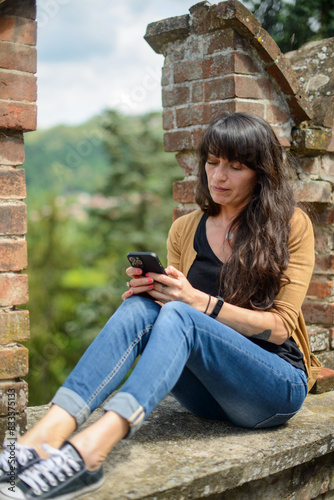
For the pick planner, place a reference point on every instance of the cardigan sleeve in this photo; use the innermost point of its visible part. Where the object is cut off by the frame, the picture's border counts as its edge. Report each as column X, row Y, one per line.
column 288, row 302
column 174, row 245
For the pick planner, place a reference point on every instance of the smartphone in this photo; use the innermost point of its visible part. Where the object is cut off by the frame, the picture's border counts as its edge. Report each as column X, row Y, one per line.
column 147, row 261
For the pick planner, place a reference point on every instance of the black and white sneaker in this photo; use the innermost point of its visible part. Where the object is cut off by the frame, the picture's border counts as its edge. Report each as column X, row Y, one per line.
column 14, row 459
column 62, row 476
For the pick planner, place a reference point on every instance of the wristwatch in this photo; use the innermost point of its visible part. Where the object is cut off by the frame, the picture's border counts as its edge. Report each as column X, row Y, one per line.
column 217, row 307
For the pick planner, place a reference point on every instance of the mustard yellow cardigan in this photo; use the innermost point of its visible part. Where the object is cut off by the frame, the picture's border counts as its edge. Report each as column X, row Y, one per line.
column 288, row 302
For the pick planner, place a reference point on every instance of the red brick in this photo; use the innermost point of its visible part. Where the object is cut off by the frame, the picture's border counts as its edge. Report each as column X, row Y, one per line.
column 13, row 255
column 177, row 141
column 13, row 362
column 312, row 191
column 18, row 57
column 11, row 148
column 325, row 381
column 266, row 47
column 18, row 115
column 245, row 64
column 167, row 75
column 310, row 165
column 193, row 115
column 168, row 119
column 197, row 136
column 184, row 191
column 14, row 326
column 300, row 108
column 13, row 219
column 175, row 96
column 324, row 264
column 323, row 239
column 249, row 107
column 179, row 211
column 187, row 70
column 17, row 86
column 12, row 183
column 318, row 313
column 282, row 135
column 16, row 404
column 20, row 8
column 225, row 39
column 188, row 161
column 17, row 29
column 197, row 92
column 222, row 88
column 13, row 289
column 276, row 115
column 321, row 288
column 217, row 65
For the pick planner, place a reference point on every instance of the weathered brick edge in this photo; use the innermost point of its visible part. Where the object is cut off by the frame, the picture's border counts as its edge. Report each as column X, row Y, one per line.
column 18, row 94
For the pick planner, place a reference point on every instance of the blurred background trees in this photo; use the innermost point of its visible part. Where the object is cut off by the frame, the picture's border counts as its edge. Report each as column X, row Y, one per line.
column 293, row 23
column 95, row 192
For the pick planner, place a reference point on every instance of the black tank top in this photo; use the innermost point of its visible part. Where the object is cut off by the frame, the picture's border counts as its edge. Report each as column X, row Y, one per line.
column 204, row 275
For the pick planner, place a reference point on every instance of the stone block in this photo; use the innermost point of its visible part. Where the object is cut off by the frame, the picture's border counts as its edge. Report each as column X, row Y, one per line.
column 324, row 264
column 13, row 396
column 307, row 140
column 13, row 362
column 325, row 381
column 183, row 210
column 188, row 161
column 13, row 289
column 312, row 191
column 20, row 426
column 12, row 183
column 160, row 33
column 14, row 326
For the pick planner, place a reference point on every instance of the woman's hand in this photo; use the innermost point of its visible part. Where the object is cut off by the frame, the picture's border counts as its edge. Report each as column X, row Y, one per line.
column 175, row 286
column 138, row 283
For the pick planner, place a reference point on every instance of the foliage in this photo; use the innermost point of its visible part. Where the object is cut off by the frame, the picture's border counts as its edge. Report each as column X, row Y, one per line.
column 292, row 24
column 77, row 264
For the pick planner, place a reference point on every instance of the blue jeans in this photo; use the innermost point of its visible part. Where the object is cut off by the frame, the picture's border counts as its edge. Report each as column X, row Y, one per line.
column 212, row 370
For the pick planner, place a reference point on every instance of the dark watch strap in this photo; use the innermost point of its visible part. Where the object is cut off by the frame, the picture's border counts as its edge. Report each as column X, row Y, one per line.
column 217, row 307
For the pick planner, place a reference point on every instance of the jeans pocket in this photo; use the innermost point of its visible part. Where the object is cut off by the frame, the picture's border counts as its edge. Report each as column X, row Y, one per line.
column 275, row 420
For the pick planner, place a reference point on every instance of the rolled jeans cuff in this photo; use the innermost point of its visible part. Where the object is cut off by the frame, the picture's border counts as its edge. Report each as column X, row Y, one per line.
column 127, row 407
column 72, row 403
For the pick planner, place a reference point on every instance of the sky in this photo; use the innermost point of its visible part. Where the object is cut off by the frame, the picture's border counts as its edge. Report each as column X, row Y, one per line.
column 92, row 56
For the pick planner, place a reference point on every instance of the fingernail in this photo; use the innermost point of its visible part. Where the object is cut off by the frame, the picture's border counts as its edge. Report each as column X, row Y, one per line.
column 150, row 280
column 146, row 275
column 150, row 286
column 139, row 271
column 130, row 292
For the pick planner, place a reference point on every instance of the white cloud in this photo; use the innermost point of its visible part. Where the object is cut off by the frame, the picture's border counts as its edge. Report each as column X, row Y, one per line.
column 92, row 55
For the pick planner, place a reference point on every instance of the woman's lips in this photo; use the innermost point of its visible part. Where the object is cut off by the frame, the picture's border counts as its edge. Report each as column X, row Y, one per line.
column 219, row 189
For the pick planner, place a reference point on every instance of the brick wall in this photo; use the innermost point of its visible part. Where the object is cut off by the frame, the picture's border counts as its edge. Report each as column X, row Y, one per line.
column 218, row 57
column 17, row 115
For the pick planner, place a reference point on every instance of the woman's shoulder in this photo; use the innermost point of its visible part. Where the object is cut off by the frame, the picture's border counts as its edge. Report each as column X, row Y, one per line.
column 187, row 220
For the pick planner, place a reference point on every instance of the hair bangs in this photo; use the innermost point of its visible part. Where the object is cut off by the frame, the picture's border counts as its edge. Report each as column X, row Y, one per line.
column 232, row 138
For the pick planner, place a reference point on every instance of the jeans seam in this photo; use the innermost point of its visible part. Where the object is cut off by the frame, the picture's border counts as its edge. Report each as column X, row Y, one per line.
column 119, row 364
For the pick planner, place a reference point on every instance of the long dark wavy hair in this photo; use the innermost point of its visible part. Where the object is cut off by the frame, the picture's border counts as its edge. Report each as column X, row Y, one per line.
column 254, row 273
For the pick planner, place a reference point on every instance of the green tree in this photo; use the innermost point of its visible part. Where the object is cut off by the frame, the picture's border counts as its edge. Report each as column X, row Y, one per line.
column 292, row 24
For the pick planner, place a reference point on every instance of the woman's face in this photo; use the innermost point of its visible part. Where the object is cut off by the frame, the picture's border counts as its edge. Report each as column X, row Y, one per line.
column 231, row 184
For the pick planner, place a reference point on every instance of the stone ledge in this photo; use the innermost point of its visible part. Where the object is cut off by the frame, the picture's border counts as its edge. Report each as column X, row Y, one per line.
column 177, row 456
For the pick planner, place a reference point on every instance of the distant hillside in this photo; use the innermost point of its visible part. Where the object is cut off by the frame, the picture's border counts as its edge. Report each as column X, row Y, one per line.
column 65, row 159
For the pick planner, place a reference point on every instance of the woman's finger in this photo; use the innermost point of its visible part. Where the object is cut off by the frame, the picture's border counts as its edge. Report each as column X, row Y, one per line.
column 133, row 271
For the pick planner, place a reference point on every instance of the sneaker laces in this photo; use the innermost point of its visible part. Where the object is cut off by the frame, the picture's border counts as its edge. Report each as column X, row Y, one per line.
column 47, row 472
column 19, row 455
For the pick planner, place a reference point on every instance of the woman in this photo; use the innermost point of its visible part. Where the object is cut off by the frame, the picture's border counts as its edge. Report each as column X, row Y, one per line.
column 224, row 332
